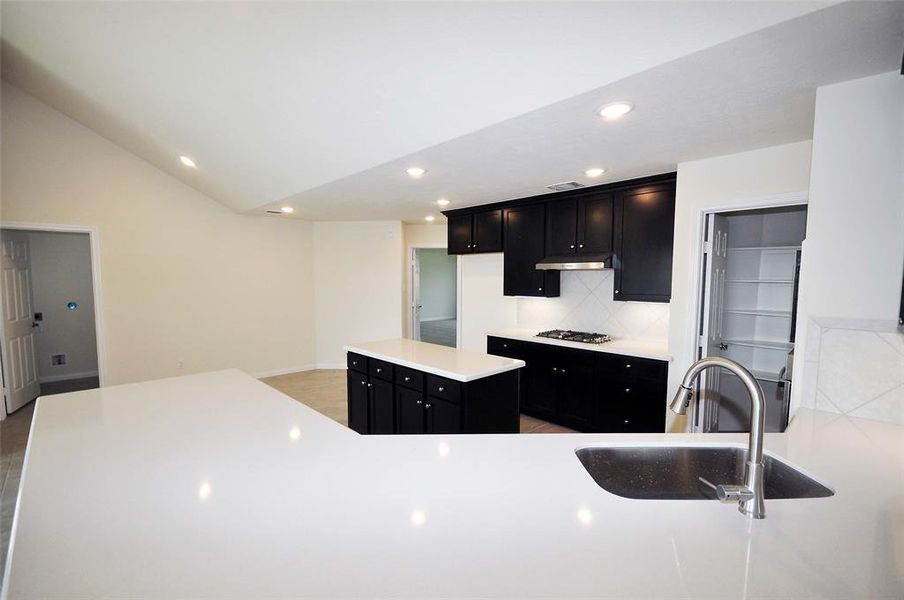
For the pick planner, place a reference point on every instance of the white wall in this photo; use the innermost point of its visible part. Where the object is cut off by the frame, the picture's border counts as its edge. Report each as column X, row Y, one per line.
column 60, row 273
column 357, row 279
column 482, row 306
column 182, row 276
column 852, row 261
column 438, row 275
column 720, row 183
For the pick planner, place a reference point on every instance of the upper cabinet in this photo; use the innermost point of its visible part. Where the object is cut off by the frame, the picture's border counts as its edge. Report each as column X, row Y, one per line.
column 644, row 232
column 524, row 228
column 475, row 232
column 579, row 225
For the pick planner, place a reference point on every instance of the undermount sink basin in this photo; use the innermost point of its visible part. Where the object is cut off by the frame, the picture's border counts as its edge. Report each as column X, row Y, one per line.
column 675, row 472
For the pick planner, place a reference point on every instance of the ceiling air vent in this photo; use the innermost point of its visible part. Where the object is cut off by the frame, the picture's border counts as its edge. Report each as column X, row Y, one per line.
column 565, row 186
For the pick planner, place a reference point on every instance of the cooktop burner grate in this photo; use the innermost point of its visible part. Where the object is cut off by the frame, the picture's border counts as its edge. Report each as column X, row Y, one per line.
column 576, row 336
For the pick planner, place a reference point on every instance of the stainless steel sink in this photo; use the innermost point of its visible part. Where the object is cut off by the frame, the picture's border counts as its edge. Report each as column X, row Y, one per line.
column 689, row 472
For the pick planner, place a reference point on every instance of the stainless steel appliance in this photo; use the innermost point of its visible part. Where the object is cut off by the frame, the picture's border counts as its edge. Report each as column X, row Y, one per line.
column 575, row 336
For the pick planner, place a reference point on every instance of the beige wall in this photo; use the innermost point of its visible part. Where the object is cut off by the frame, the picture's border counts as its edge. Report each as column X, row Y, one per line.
column 720, row 183
column 182, row 276
column 482, row 306
column 417, row 236
column 357, row 280
column 60, row 273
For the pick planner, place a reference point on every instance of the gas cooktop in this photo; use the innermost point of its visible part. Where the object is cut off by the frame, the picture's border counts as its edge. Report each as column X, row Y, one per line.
column 576, row 336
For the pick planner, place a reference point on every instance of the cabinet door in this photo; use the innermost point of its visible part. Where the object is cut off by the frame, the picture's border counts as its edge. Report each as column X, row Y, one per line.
column 595, row 224
column 541, row 382
column 382, row 404
column 459, row 234
column 579, row 393
column 561, row 227
column 410, row 410
column 442, row 416
column 358, row 395
column 524, row 231
column 644, row 231
column 487, row 231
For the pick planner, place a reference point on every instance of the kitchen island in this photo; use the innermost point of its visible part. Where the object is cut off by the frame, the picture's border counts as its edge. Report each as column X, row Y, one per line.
column 406, row 386
column 216, row 485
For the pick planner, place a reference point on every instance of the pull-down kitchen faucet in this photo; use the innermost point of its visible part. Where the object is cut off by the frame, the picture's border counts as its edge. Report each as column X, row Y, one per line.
column 750, row 495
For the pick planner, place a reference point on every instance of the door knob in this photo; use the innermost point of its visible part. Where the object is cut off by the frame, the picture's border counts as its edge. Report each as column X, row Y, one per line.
column 723, row 346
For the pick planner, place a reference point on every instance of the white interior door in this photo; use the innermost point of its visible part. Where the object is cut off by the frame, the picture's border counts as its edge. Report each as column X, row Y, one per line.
column 415, row 295
column 19, row 370
column 713, row 304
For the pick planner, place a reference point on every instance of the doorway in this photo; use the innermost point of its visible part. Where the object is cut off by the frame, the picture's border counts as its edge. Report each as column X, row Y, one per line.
column 49, row 325
column 434, row 296
column 748, row 312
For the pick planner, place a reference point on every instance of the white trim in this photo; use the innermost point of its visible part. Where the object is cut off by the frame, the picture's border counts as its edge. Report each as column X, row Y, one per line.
column 409, row 296
column 449, row 318
column 332, row 366
column 67, row 377
column 696, row 274
column 458, row 280
column 94, row 239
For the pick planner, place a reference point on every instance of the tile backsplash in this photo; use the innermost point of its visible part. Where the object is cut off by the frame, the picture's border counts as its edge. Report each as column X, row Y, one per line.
column 856, row 368
column 586, row 304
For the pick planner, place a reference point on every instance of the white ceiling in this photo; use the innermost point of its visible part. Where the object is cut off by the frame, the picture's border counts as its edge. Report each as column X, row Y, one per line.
column 751, row 92
column 277, row 100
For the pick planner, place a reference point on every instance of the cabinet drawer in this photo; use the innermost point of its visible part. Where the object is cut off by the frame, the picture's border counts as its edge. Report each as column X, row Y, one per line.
column 441, row 387
column 631, row 419
column 380, row 368
column 356, row 362
column 506, row 347
column 636, row 393
column 410, row 378
column 629, row 367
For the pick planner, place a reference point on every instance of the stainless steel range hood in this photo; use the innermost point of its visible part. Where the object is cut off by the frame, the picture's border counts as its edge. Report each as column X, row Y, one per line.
column 586, row 262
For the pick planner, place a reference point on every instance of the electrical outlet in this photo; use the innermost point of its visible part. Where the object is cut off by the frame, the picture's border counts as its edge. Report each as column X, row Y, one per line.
column 180, row 363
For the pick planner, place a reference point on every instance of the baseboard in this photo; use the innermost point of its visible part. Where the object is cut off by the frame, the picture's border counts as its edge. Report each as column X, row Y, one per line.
column 67, row 377
column 285, row 371
column 342, row 366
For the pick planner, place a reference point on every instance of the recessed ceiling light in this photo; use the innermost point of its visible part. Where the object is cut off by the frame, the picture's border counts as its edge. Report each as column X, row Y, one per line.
column 287, row 209
column 416, row 172
column 442, row 202
column 429, row 218
column 188, row 162
column 615, row 110
column 594, row 172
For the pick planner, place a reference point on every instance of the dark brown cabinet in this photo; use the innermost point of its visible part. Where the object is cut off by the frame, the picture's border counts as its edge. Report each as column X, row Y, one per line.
column 588, row 390
column 523, row 229
column 644, row 232
column 579, row 225
column 475, row 232
column 385, row 398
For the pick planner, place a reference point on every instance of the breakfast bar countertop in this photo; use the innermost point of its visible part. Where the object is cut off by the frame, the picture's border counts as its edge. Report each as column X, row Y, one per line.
column 218, row 486
column 460, row 365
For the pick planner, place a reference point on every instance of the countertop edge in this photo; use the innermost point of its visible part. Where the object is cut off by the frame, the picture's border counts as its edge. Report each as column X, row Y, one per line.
column 516, row 364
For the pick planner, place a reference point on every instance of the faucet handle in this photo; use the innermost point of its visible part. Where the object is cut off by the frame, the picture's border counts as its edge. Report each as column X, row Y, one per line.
column 733, row 493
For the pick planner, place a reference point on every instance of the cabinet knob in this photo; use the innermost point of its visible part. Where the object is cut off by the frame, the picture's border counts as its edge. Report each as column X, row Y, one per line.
column 539, row 289
column 379, row 370
column 563, row 370
column 469, row 245
column 440, row 389
column 626, row 421
column 554, row 369
column 627, row 390
column 616, row 291
column 628, row 366
column 475, row 244
column 370, row 385
column 363, row 383
column 505, row 345
column 428, row 405
column 420, row 402
column 572, row 246
column 580, row 245
column 407, row 378
column 354, row 363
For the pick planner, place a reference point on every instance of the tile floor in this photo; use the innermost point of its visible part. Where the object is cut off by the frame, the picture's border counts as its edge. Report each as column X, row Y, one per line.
column 322, row 390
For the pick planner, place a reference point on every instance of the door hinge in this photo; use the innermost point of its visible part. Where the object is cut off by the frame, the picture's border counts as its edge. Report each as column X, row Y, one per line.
column 707, row 247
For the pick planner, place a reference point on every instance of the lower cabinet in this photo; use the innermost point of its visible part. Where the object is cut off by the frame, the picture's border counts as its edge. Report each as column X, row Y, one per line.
column 384, row 398
column 587, row 390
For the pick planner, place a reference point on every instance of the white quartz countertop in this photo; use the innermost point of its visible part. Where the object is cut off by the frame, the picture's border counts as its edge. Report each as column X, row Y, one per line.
column 217, row 486
column 461, row 365
column 641, row 349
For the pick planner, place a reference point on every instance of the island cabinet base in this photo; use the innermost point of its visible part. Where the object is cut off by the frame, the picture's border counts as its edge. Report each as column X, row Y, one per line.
column 387, row 398
column 587, row 390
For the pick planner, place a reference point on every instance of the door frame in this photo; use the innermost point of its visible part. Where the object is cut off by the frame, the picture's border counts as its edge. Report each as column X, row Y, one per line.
column 94, row 241
column 696, row 275
column 409, row 296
